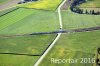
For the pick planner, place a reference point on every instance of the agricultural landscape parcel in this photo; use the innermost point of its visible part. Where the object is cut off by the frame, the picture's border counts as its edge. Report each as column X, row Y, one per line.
column 76, row 45
column 19, row 48
column 26, row 50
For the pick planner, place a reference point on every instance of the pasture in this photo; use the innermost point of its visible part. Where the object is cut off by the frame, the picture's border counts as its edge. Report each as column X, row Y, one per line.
column 74, row 46
column 32, row 45
column 28, row 45
column 73, row 20
column 27, row 21
column 17, row 60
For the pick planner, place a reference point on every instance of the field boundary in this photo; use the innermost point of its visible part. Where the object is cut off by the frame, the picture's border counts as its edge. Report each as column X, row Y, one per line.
column 8, row 12
column 59, row 5
column 22, row 7
column 36, row 9
column 49, row 45
column 21, row 54
column 55, row 32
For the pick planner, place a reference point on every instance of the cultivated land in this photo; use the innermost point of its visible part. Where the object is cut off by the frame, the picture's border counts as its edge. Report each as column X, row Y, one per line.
column 74, row 46
column 26, row 21
column 28, row 45
column 73, row 20
column 17, row 60
column 34, row 45
column 43, row 4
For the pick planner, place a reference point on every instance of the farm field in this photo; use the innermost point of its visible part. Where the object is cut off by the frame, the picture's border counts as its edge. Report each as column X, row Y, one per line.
column 28, row 45
column 73, row 20
column 3, row 1
column 91, row 4
column 74, row 46
column 7, row 10
column 43, row 4
column 26, row 21
column 18, row 47
column 17, row 60
column 32, row 45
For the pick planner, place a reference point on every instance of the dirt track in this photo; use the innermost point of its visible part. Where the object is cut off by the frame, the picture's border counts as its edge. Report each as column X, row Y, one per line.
column 9, row 4
column 66, row 5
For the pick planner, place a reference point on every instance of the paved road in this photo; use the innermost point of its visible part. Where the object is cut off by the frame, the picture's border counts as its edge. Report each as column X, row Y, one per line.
column 9, row 4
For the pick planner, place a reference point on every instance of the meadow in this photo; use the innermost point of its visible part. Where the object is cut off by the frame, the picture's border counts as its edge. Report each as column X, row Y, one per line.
column 73, row 20
column 7, row 11
column 28, row 45
column 27, row 21
column 43, row 4
column 32, row 45
column 74, row 46
column 91, row 4
column 17, row 60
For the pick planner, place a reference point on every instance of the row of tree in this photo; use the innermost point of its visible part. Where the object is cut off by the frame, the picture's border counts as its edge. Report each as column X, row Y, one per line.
column 75, row 9
column 92, row 12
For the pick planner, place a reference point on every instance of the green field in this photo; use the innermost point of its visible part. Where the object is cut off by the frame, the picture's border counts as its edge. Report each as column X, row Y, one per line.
column 26, row 21
column 7, row 10
column 74, row 46
column 43, row 4
column 40, row 16
column 91, row 4
column 29, row 45
column 34, row 45
column 65, row 54
column 17, row 60
column 73, row 20
column 3, row 1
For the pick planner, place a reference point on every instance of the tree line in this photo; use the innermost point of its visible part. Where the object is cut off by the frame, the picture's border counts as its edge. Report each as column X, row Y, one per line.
column 76, row 9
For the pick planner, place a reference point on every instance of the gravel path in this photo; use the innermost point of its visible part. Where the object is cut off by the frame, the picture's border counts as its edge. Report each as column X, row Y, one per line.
column 56, row 39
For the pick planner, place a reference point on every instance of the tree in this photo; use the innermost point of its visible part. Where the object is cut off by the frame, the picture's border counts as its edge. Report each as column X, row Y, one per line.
column 90, row 12
column 86, row 12
column 93, row 12
column 98, row 13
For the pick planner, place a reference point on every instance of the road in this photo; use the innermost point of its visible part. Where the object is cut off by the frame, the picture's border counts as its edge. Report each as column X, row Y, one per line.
column 56, row 39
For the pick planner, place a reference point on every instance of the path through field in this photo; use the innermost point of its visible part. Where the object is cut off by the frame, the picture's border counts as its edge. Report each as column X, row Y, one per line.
column 56, row 39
